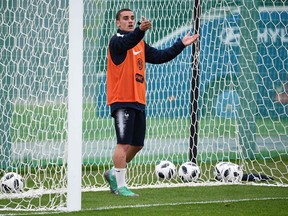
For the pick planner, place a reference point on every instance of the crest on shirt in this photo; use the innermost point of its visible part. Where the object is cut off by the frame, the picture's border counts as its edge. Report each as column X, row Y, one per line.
column 140, row 63
column 139, row 78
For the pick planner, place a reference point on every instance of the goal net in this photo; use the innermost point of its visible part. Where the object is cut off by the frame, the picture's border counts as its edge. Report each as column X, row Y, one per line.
column 242, row 84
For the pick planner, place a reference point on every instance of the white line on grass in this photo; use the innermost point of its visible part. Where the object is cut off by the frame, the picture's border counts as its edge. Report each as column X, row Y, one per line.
column 188, row 203
column 150, row 205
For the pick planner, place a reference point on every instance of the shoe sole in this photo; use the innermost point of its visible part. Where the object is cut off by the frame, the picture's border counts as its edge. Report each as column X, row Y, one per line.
column 130, row 194
column 134, row 195
column 107, row 178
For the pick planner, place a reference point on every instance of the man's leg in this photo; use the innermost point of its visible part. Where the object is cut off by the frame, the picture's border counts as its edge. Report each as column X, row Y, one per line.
column 139, row 128
column 124, row 126
column 119, row 157
column 131, row 152
column 119, row 160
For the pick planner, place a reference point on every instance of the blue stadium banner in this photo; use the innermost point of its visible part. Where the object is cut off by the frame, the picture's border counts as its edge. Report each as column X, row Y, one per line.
column 273, row 61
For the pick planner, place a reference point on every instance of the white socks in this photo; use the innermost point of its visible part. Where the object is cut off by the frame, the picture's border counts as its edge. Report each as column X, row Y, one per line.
column 120, row 174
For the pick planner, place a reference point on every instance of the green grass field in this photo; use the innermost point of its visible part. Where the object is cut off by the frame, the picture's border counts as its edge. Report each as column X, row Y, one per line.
column 189, row 200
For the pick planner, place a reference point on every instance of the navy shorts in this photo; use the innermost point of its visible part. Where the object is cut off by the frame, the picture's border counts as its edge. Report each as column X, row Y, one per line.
column 130, row 126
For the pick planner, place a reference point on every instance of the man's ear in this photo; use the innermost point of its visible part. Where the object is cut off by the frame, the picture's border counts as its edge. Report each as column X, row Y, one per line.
column 118, row 23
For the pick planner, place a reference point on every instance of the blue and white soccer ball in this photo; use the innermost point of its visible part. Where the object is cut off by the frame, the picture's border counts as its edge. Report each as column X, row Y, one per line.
column 12, row 183
column 165, row 170
column 228, row 172
column 189, row 172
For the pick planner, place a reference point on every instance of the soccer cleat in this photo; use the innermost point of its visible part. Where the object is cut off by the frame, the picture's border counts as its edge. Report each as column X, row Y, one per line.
column 111, row 179
column 124, row 191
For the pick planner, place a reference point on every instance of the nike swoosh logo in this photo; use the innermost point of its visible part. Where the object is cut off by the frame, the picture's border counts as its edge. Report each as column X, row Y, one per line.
column 136, row 52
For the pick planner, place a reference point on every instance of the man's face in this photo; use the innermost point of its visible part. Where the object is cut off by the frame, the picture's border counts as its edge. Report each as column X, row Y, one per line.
column 126, row 21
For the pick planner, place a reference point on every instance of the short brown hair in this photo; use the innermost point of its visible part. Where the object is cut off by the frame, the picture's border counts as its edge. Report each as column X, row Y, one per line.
column 120, row 11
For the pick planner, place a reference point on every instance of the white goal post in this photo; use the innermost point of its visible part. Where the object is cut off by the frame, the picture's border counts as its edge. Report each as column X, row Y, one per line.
column 55, row 127
column 75, row 100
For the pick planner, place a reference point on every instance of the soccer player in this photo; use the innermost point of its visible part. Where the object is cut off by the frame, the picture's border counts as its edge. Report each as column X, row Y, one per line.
column 126, row 90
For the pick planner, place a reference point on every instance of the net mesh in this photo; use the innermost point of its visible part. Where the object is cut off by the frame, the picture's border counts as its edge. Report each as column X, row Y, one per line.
column 34, row 66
